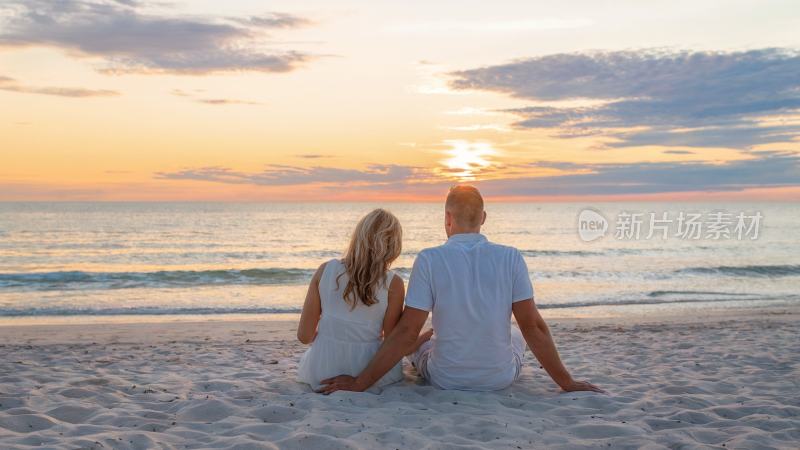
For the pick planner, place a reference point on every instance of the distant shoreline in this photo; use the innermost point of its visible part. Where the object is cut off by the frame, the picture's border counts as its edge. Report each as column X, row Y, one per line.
column 27, row 329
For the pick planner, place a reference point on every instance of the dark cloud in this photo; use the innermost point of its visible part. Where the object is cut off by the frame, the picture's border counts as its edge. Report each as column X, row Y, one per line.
column 280, row 175
column 702, row 99
column 731, row 137
column 9, row 84
column 132, row 40
column 768, row 169
column 273, row 20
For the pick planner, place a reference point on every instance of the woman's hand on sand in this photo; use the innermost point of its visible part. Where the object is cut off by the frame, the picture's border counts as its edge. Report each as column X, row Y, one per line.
column 574, row 386
column 340, row 383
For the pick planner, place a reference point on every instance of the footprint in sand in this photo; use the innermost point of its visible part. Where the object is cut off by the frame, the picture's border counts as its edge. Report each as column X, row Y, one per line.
column 76, row 393
column 216, row 386
column 71, row 413
column 10, row 402
column 278, row 414
column 25, row 423
column 252, row 445
column 90, row 382
column 604, row 431
column 306, row 441
column 205, row 411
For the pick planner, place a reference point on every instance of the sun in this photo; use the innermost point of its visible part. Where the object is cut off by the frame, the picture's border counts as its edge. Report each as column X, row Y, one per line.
column 467, row 159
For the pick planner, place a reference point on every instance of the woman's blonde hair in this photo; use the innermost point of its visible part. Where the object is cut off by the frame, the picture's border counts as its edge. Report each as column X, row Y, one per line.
column 376, row 242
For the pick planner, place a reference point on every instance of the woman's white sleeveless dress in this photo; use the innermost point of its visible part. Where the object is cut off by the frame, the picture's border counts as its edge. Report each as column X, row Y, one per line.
column 347, row 339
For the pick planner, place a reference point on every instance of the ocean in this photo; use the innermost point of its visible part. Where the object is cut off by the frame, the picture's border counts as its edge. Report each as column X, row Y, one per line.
column 158, row 261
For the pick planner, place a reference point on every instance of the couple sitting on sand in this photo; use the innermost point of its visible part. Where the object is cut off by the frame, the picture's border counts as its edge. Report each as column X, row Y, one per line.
column 359, row 331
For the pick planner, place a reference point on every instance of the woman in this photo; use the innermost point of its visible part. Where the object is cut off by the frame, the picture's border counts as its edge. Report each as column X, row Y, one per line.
column 353, row 303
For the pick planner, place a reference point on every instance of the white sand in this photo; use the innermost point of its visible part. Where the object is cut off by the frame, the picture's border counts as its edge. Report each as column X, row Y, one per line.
column 724, row 381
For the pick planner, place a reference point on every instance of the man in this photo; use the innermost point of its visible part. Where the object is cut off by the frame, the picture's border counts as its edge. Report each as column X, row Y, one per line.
column 472, row 286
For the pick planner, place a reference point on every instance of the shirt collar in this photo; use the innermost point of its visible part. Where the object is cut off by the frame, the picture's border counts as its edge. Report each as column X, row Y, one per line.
column 467, row 238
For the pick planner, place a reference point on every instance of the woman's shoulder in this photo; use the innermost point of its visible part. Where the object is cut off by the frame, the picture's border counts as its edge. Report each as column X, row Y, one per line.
column 334, row 265
column 325, row 267
column 331, row 268
column 394, row 281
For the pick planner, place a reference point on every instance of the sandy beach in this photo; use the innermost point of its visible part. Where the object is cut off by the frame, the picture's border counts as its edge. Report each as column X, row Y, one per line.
column 712, row 380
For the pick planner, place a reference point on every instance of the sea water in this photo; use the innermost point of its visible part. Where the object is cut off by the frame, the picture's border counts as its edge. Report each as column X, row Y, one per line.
column 217, row 260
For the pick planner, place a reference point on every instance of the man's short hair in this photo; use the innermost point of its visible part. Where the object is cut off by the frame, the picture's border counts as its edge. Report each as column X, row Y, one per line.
column 465, row 205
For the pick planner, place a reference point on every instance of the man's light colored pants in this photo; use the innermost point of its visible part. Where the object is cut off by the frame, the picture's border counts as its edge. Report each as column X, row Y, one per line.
column 420, row 358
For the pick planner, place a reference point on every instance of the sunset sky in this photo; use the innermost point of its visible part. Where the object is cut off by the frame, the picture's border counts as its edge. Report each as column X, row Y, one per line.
column 369, row 100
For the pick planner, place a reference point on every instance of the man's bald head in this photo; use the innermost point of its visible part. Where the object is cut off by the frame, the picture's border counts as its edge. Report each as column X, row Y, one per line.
column 465, row 205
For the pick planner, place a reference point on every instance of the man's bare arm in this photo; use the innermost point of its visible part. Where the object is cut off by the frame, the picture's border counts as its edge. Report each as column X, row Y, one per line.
column 399, row 343
column 538, row 337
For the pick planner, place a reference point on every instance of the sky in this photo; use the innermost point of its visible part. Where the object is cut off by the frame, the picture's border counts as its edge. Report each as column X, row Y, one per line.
column 332, row 100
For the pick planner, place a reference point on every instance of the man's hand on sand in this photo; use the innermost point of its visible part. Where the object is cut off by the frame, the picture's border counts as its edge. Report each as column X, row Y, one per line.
column 574, row 386
column 340, row 383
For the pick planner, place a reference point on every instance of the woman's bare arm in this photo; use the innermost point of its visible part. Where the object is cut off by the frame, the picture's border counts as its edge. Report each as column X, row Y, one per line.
column 312, row 310
column 397, row 292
